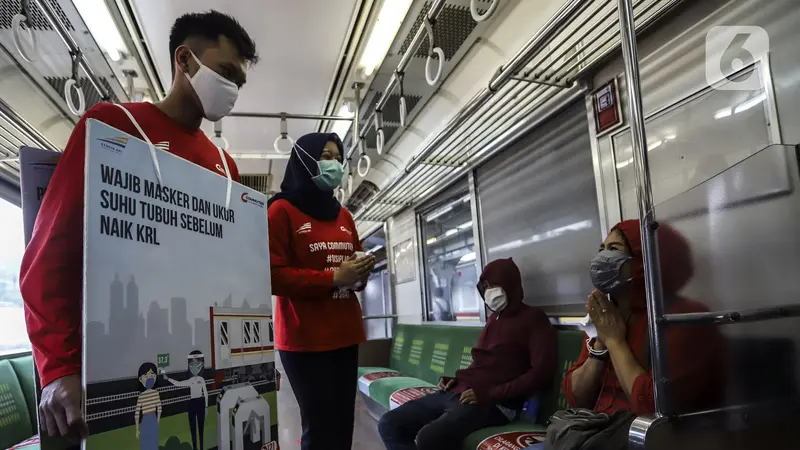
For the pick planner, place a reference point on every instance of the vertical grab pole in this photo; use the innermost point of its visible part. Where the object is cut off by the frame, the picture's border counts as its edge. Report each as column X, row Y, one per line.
column 647, row 219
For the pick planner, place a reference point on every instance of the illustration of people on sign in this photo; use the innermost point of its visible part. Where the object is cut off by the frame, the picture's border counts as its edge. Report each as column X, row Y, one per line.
column 148, row 408
column 198, row 405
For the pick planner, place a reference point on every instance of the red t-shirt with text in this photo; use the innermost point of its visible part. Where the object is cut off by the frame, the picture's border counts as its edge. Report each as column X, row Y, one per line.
column 312, row 314
column 51, row 276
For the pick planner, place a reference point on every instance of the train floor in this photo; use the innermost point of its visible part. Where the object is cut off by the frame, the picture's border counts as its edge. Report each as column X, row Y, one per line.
column 365, row 434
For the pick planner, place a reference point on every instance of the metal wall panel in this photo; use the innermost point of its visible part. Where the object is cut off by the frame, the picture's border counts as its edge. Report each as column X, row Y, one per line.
column 539, row 206
column 741, row 220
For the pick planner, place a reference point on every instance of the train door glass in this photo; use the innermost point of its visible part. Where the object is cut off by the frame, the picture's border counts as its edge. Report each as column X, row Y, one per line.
column 450, row 261
column 376, row 299
column 13, row 334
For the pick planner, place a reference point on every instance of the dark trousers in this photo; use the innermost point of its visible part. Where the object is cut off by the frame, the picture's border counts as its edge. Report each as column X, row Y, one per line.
column 436, row 422
column 197, row 418
column 324, row 384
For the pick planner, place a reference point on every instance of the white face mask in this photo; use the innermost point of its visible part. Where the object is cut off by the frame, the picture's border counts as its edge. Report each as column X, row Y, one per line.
column 495, row 299
column 217, row 94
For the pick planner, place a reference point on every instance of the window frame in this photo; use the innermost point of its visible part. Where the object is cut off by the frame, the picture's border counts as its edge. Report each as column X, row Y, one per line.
column 464, row 187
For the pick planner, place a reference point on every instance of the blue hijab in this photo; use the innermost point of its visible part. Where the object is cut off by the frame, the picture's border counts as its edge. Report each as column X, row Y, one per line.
column 297, row 187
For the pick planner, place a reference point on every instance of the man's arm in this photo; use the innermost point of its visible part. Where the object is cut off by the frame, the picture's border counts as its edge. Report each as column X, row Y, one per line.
column 542, row 352
column 51, row 271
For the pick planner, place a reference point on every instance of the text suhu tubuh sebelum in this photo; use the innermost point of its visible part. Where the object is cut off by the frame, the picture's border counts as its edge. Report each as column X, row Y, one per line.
column 139, row 217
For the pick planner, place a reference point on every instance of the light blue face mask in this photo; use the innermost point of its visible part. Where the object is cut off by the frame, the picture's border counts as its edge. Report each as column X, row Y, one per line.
column 330, row 174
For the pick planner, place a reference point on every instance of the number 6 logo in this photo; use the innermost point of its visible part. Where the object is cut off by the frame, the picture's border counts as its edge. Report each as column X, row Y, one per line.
column 729, row 49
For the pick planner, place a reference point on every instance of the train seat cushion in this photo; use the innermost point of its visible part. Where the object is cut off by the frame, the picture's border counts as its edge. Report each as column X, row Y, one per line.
column 381, row 390
column 368, row 370
column 15, row 422
column 514, row 436
column 365, row 381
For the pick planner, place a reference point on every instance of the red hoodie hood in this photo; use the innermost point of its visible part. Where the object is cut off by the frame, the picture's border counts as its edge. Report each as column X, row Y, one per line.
column 506, row 274
column 677, row 266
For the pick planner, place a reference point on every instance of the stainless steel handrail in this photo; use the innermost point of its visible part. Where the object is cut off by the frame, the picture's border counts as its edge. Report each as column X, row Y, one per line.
column 434, row 11
column 73, row 47
column 387, row 316
column 647, row 218
column 289, row 116
column 470, row 135
column 723, row 318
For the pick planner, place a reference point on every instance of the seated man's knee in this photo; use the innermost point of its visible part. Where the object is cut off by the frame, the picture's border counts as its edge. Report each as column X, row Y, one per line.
column 434, row 436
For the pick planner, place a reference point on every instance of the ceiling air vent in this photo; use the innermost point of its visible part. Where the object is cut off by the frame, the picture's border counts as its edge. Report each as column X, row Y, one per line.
column 453, row 27
column 258, row 182
column 365, row 190
column 10, row 8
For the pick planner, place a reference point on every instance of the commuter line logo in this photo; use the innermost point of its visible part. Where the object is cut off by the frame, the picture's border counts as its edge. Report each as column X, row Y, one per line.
column 729, row 50
column 114, row 144
column 246, row 198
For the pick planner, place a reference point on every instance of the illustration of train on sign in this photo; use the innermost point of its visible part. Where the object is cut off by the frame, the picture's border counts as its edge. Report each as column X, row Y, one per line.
column 242, row 353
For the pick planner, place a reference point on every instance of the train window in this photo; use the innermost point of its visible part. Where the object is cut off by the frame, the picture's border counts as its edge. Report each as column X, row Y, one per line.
column 13, row 333
column 449, row 261
column 376, row 299
column 548, row 223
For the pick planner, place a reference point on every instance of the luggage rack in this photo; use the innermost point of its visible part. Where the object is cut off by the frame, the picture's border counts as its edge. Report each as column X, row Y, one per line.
column 540, row 77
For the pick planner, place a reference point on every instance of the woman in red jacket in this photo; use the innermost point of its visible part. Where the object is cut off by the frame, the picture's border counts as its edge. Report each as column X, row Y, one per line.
column 617, row 375
column 318, row 325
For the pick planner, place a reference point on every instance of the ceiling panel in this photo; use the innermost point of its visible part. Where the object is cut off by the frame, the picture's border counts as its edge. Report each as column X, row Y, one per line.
column 299, row 43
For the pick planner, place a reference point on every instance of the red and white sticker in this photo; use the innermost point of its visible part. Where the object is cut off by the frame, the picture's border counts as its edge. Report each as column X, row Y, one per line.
column 514, row 440
column 366, row 380
column 29, row 443
column 407, row 394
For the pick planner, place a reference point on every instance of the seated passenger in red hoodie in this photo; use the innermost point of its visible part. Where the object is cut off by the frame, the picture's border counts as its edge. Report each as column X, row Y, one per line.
column 515, row 357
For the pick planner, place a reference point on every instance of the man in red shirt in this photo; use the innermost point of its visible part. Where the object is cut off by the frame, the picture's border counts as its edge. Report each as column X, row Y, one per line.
column 210, row 54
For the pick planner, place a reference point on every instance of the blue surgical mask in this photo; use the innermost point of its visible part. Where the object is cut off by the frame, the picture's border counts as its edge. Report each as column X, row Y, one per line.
column 149, row 383
column 330, row 173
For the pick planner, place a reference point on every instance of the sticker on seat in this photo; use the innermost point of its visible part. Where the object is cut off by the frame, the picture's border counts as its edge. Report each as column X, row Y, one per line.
column 402, row 396
column 512, row 440
column 366, row 380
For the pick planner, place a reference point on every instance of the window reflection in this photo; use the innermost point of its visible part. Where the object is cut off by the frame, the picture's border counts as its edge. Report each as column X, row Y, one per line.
column 13, row 334
column 376, row 299
column 450, row 262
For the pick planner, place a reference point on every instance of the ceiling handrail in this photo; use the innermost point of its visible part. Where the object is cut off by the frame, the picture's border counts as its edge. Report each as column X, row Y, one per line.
column 433, row 13
column 283, row 115
column 470, row 117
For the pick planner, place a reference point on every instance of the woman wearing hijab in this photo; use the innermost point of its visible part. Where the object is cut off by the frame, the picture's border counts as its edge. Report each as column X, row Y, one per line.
column 318, row 324
column 614, row 372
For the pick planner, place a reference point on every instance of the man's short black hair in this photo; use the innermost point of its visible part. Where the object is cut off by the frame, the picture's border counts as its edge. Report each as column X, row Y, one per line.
column 211, row 25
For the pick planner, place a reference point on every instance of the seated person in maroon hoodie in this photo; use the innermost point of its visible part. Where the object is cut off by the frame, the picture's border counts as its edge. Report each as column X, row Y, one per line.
column 515, row 357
